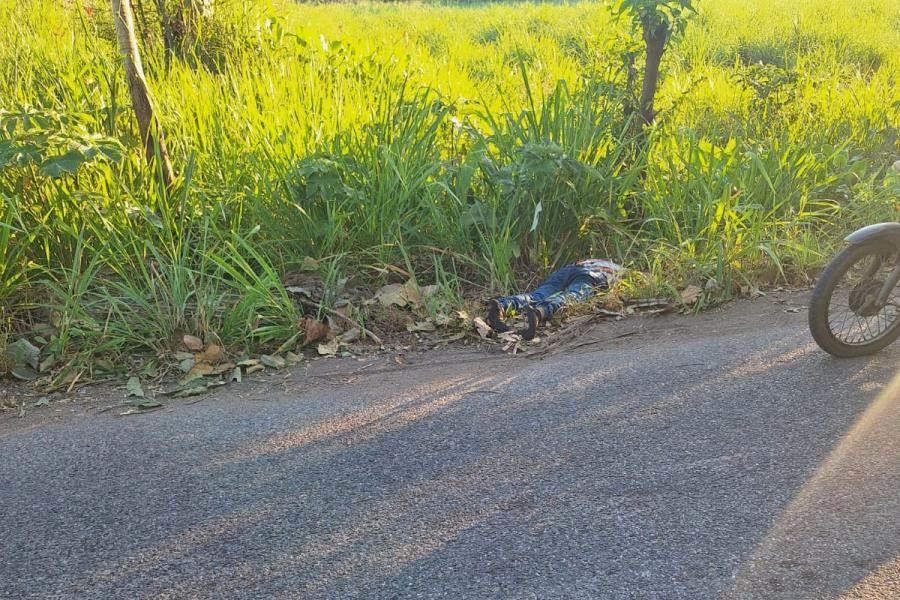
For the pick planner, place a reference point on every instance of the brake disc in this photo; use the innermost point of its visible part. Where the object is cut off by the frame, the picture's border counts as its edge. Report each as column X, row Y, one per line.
column 861, row 294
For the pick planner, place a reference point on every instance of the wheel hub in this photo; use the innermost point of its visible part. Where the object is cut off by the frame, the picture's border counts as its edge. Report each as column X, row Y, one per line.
column 860, row 296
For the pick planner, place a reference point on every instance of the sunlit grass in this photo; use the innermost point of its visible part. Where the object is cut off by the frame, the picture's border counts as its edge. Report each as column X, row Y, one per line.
column 371, row 134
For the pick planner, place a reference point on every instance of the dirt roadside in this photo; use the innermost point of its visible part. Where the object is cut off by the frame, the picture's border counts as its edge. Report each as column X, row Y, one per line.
column 774, row 308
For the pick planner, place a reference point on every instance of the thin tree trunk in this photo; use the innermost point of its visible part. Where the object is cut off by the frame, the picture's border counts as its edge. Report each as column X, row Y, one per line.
column 149, row 127
column 165, row 28
column 630, row 78
column 655, row 38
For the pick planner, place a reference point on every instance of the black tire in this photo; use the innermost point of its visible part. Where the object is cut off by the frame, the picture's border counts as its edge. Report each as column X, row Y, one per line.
column 821, row 300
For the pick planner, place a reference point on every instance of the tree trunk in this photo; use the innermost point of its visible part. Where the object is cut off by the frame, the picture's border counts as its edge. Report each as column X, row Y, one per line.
column 165, row 28
column 655, row 37
column 149, row 127
column 630, row 78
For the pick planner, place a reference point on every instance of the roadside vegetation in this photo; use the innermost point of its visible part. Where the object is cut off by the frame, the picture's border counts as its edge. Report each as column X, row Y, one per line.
column 470, row 147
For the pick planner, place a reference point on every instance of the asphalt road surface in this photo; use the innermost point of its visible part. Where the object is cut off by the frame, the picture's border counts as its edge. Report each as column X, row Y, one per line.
column 714, row 457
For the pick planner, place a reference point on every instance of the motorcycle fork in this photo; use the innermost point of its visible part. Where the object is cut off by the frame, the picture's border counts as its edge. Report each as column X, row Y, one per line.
column 889, row 285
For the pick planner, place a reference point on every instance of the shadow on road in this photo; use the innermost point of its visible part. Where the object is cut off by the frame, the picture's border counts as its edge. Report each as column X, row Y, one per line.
column 732, row 471
column 840, row 536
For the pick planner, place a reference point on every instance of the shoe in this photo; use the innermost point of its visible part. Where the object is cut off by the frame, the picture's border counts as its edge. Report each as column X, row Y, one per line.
column 535, row 317
column 494, row 310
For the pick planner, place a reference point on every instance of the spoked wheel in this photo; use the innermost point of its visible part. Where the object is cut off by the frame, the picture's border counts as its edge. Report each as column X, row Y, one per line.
column 843, row 317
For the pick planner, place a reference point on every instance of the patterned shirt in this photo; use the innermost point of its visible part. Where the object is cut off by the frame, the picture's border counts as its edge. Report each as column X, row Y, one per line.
column 602, row 269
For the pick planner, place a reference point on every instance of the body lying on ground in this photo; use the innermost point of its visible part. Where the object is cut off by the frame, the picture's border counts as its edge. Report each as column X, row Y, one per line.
column 573, row 283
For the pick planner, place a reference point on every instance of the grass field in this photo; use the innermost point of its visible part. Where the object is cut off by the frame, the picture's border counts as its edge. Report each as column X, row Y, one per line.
column 472, row 146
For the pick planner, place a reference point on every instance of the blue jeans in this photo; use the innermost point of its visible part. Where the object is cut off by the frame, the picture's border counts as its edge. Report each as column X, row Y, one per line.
column 572, row 283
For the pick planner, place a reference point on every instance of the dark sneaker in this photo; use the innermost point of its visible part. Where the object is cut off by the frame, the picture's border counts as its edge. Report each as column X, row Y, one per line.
column 535, row 317
column 494, row 312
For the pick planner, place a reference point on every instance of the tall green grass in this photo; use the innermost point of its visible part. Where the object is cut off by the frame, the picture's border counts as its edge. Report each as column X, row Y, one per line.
column 475, row 145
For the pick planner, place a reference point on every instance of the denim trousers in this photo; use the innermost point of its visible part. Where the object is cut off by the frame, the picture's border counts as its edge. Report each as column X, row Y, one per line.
column 572, row 283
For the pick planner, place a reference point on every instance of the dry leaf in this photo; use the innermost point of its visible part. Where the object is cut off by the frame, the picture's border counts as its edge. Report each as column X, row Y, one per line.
column 47, row 364
column 212, row 355
column 329, row 348
column 334, row 326
column 300, row 291
column 24, row 373
column 430, row 290
column 421, row 326
column 454, row 337
column 313, row 330
column 509, row 336
column 134, row 388
column 201, row 369
column 309, row 264
column 394, row 294
column 350, row 335
column 690, row 295
column 222, row 368
column 344, row 308
column 413, row 293
column 273, row 362
column 192, row 342
column 484, row 330
column 24, row 353
column 442, row 319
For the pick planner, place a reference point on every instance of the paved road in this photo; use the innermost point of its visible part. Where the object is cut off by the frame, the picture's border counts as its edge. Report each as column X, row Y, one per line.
column 719, row 457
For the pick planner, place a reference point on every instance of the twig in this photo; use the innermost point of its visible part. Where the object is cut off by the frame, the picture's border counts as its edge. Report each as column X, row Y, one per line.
column 348, row 320
column 582, row 344
column 74, row 381
column 112, row 406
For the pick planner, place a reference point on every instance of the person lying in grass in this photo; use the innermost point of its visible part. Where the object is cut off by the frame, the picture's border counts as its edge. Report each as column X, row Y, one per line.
column 573, row 283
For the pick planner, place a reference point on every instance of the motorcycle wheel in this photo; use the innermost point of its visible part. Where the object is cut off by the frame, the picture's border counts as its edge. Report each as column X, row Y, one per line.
column 837, row 320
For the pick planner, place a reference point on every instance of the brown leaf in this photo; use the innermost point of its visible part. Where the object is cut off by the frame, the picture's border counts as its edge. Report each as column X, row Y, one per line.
column 212, row 355
column 313, row 330
column 334, row 326
column 201, row 369
column 413, row 293
column 509, row 336
column 344, row 308
column 394, row 294
column 329, row 348
column 222, row 368
column 350, row 335
column 484, row 330
column 192, row 342
column 690, row 295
